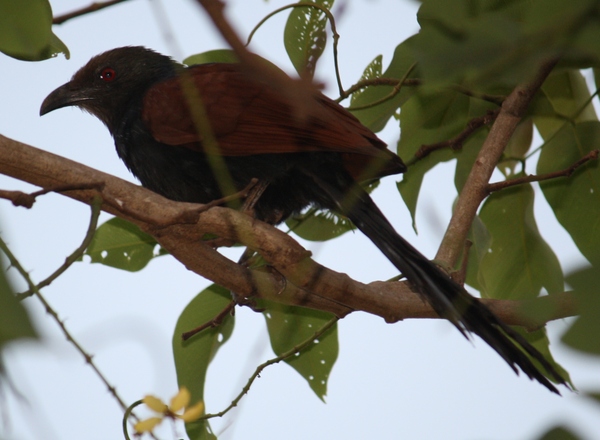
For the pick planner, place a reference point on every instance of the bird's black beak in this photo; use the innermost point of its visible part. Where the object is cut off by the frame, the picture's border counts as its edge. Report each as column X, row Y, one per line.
column 64, row 96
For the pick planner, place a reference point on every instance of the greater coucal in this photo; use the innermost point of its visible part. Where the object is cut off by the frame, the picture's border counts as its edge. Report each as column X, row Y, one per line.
column 172, row 124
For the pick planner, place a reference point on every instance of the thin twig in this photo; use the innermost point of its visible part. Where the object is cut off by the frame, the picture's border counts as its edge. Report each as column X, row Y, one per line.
column 566, row 120
column 18, row 198
column 77, row 253
column 126, row 415
column 380, row 81
column 88, row 357
column 494, row 99
column 230, row 198
column 567, row 172
column 390, row 95
column 26, row 200
column 187, row 216
column 215, row 322
column 457, row 141
column 414, row 82
column 296, row 349
column 96, row 6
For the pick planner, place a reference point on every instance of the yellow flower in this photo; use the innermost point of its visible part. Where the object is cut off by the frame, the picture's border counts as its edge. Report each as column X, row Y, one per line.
column 179, row 402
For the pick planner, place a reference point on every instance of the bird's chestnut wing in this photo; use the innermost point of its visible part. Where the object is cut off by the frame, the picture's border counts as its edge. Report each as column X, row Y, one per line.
column 219, row 106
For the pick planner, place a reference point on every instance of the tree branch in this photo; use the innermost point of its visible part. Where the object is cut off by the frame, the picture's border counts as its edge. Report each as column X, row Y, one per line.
column 457, row 141
column 96, row 6
column 475, row 188
column 567, row 172
column 179, row 228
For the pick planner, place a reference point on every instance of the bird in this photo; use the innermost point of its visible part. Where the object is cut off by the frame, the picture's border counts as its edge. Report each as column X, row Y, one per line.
column 201, row 132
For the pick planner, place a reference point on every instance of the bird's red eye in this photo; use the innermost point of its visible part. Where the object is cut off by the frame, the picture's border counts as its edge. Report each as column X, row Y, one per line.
column 108, row 74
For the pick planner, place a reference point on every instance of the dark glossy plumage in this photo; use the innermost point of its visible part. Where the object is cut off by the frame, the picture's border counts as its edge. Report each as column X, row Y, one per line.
column 174, row 126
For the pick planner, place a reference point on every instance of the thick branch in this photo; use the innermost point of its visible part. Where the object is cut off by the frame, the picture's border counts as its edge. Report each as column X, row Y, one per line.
column 179, row 227
column 475, row 188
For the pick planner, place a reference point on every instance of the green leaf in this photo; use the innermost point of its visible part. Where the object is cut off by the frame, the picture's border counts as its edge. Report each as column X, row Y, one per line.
column 289, row 326
column 569, row 95
column 26, row 30
column 376, row 117
column 305, row 37
column 596, row 78
column 193, row 356
column 595, row 396
column 563, row 97
column 121, row 244
column 319, row 225
column 570, row 29
column 465, row 158
column 428, row 119
column 519, row 262
column 212, row 56
column 583, row 334
column 481, row 239
column 539, row 340
column 486, row 43
column 517, row 148
column 559, row 433
column 575, row 200
column 472, row 41
column 14, row 319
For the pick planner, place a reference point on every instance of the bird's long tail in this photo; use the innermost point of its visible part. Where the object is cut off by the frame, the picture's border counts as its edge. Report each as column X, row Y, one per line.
column 448, row 298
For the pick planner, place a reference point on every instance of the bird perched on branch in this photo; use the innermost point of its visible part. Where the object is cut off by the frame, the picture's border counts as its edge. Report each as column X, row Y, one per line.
column 199, row 133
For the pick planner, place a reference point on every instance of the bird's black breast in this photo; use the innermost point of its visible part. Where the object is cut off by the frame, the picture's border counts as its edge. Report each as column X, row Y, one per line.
column 187, row 175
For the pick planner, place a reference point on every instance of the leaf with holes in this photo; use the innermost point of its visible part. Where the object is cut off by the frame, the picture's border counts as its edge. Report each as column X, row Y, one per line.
column 305, row 37
column 290, row 326
column 372, row 71
column 121, row 244
column 193, row 356
column 382, row 102
column 319, row 225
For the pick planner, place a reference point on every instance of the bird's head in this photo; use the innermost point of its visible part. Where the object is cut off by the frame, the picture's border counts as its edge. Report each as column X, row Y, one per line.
column 111, row 82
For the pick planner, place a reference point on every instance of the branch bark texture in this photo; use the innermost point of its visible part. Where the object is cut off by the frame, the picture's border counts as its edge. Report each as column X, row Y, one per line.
column 475, row 189
column 179, row 228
